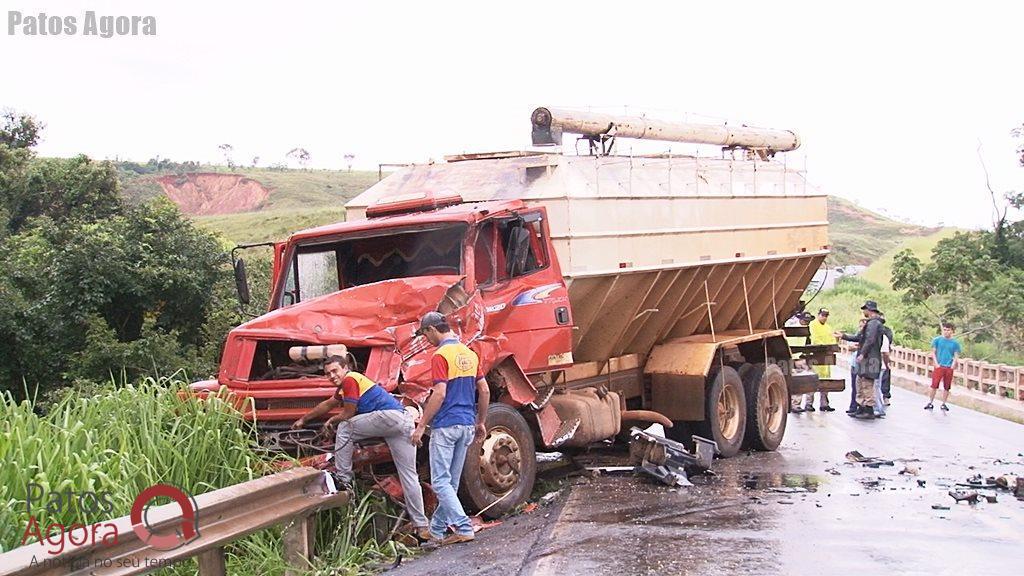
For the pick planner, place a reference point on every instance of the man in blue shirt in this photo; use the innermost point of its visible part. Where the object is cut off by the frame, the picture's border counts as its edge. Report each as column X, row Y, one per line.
column 945, row 351
column 456, row 411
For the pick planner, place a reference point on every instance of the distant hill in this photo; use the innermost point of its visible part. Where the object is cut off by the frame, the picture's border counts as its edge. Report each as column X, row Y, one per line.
column 261, row 204
column 248, row 204
column 860, row 236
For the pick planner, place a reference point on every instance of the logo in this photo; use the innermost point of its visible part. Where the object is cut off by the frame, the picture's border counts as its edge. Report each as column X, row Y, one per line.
column 56, row 537
column 536, row 295
column 464, row 362
column 42, row 24
column 188, row 529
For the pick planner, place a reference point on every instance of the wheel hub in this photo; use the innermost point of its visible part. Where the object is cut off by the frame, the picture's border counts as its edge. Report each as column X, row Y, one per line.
column 728, row 412
column 500, row 460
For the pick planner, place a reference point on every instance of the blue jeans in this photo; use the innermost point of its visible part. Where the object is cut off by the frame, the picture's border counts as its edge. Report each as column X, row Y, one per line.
column 879, row 403
column 448, row 448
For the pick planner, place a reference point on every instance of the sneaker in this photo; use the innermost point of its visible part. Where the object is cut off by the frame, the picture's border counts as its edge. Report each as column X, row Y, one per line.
column 340, row 484
column 929, row 406
column 809, row 409
column 946, row 408
column 886, row 402
column 423, row 534
column 827, row 409
column 458, row 539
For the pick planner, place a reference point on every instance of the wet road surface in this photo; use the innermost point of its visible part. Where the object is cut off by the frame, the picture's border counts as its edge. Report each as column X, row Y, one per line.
column 805, row 509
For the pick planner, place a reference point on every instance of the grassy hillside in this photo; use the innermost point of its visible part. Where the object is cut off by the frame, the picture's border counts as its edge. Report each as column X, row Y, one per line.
column 298, row 198
column 860, row 236
column 880, row 270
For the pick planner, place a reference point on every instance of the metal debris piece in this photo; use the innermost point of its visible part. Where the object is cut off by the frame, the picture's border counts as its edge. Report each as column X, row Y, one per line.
column 910, row 470
column 869, row 461
column 921, row 483
column 668, row 460
column 940, row 507
column 787, row 489
column 549, row 498
column 611, row 470
column 961, row 495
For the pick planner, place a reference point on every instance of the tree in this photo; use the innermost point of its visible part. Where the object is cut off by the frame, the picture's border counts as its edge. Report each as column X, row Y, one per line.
column 91, row 283
column 226, row 150
column 301, row 155
column 348, row 160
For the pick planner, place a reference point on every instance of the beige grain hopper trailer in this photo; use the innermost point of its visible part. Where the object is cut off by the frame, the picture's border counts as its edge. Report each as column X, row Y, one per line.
column 678, row 271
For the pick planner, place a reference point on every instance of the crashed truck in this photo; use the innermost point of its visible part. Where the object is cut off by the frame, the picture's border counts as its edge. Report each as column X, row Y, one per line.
column 599, row 291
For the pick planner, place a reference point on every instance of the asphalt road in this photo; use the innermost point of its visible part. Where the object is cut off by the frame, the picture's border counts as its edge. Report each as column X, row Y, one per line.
column 805, row 509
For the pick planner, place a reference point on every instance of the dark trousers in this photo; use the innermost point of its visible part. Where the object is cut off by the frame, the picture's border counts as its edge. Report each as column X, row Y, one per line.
column 853, row 386
column 886, row 383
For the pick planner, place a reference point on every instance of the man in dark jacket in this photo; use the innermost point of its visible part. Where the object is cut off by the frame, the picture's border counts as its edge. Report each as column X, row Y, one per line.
column 868, row 360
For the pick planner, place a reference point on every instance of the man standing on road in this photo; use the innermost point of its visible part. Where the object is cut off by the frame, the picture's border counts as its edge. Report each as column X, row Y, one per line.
column 369, row 411
column 456, row 412
column 869, row 359
column 854, row 407
column 945, row 351
column 801, row 318
column 821, row 334
column 886, row 377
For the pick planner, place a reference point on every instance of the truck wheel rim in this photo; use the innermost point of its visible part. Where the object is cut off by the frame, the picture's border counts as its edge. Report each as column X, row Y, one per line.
column 774, row 407
column 500, row 459
column 728, row 412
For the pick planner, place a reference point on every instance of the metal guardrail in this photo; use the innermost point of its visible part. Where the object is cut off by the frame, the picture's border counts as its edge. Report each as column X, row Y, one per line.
column 225, row 515
column 996, row 379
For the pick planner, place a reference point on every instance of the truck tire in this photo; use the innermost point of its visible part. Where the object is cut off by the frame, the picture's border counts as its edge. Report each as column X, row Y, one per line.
column 767, row 406
column 503, row 466
column 725, row 412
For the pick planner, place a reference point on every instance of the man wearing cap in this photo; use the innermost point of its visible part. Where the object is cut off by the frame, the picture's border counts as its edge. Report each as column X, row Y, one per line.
column 821, row 335
column 456, row 413
column 369, row 411
column 869, row 359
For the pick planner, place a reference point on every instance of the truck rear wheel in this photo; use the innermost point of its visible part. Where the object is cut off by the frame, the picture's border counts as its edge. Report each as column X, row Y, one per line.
column 725, row 412
column 767, row 405
column 502, row 467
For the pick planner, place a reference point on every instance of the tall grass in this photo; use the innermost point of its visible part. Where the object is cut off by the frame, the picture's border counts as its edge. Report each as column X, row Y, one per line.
column 123, row 439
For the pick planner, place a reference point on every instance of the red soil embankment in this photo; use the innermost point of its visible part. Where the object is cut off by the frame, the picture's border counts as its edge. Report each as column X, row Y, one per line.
column 204, row 193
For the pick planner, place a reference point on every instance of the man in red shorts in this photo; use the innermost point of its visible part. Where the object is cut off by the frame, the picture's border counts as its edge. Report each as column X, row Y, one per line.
column 945, row 351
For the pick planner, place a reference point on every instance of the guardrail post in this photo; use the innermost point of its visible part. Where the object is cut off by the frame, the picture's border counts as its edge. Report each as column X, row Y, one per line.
column 211, row 563
column 299, row 538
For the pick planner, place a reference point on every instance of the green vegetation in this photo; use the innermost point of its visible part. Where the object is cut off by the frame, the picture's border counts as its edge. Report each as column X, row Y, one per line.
column 94, row 284
column 880, row 271
column 974, row 279
column 859, row 236
column 122, row 439
column 269, row 225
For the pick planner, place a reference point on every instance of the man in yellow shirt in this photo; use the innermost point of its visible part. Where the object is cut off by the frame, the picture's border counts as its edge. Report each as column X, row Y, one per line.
column 821, row 334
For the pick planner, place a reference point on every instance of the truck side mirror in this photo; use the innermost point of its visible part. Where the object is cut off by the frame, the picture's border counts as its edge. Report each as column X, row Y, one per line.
column 241, row 282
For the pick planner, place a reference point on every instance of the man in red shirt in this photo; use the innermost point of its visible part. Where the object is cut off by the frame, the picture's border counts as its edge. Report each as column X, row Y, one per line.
column 369, row 411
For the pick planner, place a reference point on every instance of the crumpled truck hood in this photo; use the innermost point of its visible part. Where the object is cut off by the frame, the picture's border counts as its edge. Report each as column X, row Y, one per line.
column 359, row 316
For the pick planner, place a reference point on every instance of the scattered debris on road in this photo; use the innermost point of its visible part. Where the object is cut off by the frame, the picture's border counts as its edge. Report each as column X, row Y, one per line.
column 940, row 507
column 668, row 460
column 964, row 495
column 869, row 461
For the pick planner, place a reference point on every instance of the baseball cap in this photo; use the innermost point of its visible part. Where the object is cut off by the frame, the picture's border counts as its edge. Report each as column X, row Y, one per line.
column 822, row 311
column 431, row 320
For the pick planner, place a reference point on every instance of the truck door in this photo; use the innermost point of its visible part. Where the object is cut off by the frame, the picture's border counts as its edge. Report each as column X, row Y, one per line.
column 525, row 296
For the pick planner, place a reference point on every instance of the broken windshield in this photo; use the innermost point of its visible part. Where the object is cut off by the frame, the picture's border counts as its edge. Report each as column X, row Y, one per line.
column 326, row 267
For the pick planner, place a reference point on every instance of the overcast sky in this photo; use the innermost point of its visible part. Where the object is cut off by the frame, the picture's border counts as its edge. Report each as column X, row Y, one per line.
column 891, row 99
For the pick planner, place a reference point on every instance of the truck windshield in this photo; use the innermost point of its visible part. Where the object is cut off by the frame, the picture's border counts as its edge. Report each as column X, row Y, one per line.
column 323, row 268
